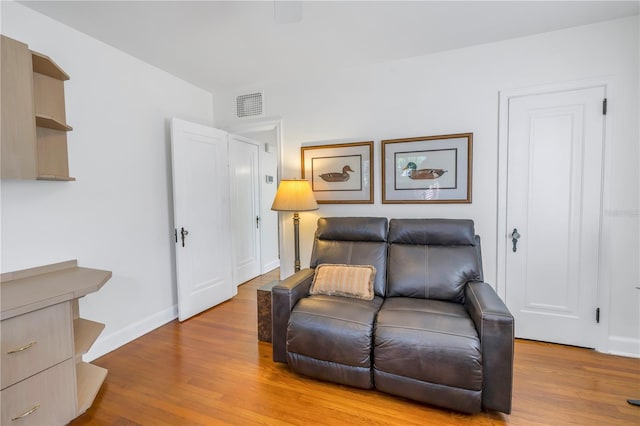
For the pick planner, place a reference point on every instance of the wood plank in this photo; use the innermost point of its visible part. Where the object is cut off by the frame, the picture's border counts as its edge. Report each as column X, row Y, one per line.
column 18, row 134
column 90, row 379
column 212, row 369
column 43, row 64
column 48, row 95
column 51, row 123
column 52, row 153
column 85, row 333
column 38, row 270
column 32, row 292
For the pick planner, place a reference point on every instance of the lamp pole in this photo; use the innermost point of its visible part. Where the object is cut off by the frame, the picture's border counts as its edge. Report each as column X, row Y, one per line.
column 296, row 236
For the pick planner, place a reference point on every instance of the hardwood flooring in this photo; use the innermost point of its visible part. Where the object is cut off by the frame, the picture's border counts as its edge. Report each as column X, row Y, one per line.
column 212, row 370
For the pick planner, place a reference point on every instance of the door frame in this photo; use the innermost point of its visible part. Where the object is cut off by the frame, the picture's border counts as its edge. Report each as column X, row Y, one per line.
column 263, row 125
column 502, row 234
column 258, row 145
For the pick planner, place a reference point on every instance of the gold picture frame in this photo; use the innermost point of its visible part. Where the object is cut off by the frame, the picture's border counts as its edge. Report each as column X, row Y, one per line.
column 339, row 173
column 427, row 169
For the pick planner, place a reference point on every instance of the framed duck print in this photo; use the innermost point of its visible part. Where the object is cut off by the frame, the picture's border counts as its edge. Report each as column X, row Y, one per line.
column 428, row 169
column 339, row 173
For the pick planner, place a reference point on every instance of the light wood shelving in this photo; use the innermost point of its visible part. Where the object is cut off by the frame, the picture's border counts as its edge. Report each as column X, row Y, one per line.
column 34, row 125
column 45, row 299
column 90, row 378
column 85, row 333
column 51, row 123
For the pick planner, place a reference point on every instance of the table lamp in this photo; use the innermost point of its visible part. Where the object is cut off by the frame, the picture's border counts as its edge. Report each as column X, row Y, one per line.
column 295, row 195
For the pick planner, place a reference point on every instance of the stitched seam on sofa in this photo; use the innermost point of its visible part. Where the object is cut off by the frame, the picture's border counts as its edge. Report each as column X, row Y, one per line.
column 336, row 318
column 349, row 301
column 484, row 314
column 424, row 311
column 477, row 301
column 467, row 336
column 411, row 379
column 332, row 362
column 426, row 272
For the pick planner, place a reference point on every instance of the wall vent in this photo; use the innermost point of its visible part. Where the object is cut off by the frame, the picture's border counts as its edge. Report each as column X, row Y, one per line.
column 249, row 105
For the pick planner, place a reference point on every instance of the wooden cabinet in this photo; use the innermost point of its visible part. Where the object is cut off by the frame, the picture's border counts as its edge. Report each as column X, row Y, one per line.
column 34, row 128
column 43, row 378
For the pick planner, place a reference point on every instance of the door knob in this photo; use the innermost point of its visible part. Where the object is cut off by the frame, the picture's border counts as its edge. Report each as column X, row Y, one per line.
column 515, row 236
column 183, row 233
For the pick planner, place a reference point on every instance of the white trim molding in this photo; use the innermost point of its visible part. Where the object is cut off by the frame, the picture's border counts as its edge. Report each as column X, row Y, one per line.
column 109, row 342
column 624, row 346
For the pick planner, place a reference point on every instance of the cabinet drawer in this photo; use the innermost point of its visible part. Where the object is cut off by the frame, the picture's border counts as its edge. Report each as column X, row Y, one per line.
column 48, row 398
column 35, row 341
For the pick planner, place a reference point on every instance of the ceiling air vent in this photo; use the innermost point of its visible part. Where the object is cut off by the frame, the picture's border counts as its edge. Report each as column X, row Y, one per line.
column 249, row 105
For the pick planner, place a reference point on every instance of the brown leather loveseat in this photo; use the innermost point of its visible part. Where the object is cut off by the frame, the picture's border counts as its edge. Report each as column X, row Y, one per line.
column 420, row 323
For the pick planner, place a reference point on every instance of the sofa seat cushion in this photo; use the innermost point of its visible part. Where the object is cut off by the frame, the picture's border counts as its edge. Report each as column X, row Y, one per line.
column 333, row 328
column 430, row 341
column 331, row 338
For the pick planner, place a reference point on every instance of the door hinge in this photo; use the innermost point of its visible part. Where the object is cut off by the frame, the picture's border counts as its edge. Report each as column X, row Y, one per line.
column 598, row 315
column 604, row 106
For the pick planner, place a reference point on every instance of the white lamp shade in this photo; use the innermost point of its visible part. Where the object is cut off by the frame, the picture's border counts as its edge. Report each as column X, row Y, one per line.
column 294, row 195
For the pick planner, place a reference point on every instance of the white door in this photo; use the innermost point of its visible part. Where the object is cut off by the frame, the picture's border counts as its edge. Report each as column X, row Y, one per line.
column 554, row 187
column 245, row 207
column 201, row 217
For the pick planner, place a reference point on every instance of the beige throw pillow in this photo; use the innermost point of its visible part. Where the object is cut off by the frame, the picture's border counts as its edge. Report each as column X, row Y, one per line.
column 344, row 280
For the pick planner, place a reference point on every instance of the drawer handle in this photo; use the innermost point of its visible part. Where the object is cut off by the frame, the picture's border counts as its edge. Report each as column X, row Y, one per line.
column 21, row 348
column 26, row 413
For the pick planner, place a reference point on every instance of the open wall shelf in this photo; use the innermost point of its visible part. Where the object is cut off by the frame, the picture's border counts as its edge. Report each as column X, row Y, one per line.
column 34, row 124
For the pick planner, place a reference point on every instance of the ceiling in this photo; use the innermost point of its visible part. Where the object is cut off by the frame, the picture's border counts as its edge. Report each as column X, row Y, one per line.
column 243, row 44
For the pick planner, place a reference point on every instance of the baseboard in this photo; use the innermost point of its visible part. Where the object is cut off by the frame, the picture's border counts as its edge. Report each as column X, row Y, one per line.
column 110, row 342
column 268, row 267
column 623, row 346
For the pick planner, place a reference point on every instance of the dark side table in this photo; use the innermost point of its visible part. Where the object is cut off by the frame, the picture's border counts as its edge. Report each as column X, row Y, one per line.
column 264, row 311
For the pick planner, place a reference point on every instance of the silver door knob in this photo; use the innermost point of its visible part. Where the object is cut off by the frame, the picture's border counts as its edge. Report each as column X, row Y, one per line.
column 515, row 236
column 183, row 233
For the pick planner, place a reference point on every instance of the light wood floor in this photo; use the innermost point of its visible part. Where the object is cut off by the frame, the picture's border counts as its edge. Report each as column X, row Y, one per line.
column 212, row 370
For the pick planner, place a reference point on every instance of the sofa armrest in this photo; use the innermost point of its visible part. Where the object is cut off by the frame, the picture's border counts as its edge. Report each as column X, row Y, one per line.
column 284, row 297
column 495, row 327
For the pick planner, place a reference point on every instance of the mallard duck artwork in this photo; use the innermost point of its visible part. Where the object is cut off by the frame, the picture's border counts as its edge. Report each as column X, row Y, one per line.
column 413, row 172
column 336, row 176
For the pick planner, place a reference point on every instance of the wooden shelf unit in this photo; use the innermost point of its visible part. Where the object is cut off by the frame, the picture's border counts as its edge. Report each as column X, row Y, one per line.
column 85, row 333
column 51, row 123
column 34, row 127
column 90, row 378
column 39, row 312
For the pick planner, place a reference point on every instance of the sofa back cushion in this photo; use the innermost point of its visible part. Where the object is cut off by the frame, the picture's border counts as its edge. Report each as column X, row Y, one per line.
column 432, row 258
column 353, row 241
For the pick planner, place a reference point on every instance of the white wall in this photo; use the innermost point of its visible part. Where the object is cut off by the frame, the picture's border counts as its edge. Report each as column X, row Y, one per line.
column 118, row 214
column 457, row 91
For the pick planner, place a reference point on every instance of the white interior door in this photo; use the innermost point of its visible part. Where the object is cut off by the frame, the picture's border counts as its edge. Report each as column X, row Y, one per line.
column 554, row 187
column 245, row 207
column 201, row 215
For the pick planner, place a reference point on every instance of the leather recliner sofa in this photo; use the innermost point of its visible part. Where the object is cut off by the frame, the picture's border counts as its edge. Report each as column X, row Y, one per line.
column 434, row 332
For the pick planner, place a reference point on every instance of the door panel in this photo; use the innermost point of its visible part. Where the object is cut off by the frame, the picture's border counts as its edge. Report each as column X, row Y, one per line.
column 245, row 205
column 201, row 210
column 553, row 199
